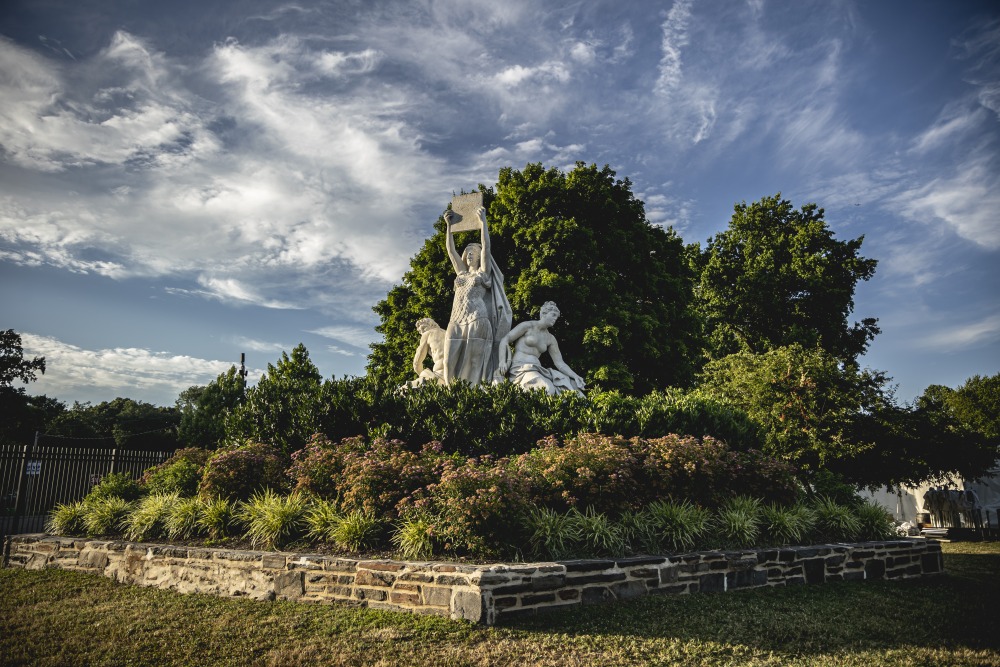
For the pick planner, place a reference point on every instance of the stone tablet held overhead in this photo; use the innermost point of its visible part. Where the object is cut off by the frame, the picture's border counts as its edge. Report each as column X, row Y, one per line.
column 463, row 211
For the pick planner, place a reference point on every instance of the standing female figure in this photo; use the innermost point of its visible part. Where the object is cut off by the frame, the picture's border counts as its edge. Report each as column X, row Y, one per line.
column 480, row 313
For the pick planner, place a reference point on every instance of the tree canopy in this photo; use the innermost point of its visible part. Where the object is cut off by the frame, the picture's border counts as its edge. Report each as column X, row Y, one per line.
column 777, row 276
column 204, row 409
column 581, row 239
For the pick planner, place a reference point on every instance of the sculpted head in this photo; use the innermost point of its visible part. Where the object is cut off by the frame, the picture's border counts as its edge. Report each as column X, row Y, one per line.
column 426, row 324
column 549, row 312
column 473, row 256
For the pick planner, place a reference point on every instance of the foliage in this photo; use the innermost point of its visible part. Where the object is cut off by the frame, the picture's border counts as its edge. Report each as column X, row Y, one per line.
column 284, row 407
column 414, row 537
column 13, row 365
column 273, row 520
column 874, row 522
column 787, row 525
column 204, row 410
column 551, row 534
column 671, row 526
column 179, row 474
column 238, row 473
column 105, row 515
column 596, row 534
column 148, row 518
column 122, row 421
column 116, row 484
column 184, row 517
column 834, row 522
column 581, row 239
column 322, row 519
column 356, row 530
column 738, row 522
column 807, row 402
column 67, row 519
column 976, row 403
column 777, row 277
column 216, row 517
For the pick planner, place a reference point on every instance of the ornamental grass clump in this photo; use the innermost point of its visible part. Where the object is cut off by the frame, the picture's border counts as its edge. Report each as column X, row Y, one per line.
column 106, row 515
column 875, row 522
column 835, row 522
column 737, row 523
column 551, row 534
column 147, row 519
column 787, row 525
column 595, row 534
column 216, row 517
column 182, row 520
column 273, row 520
column 322, row 520
column 414, row 537
column 666, row 525
column 67, row 519
column 356, row 530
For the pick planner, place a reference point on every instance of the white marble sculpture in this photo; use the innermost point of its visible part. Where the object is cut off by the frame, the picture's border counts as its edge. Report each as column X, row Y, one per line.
column 431, row 342
column 480, row 315
column 530, row 340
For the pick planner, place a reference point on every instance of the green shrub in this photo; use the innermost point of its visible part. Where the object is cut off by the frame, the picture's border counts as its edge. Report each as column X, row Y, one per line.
column 182, row 520
column 551, row 534
column 216, row 517
column 147, row 519
column 116, row 484
column 322, row 519
column 414, row 537
column 671, row 526
column 179, row 474
column 596, row 534
column 875, row 523
column 105, row 515
column 356, row 530
column 787, row 525
column 738, row 521
column 273, row 520
column 67, row 519
column 239, row 473
column 835, row 522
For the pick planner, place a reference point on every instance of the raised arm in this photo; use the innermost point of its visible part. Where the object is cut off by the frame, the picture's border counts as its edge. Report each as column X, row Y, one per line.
column 449, row 243
column 485, row 239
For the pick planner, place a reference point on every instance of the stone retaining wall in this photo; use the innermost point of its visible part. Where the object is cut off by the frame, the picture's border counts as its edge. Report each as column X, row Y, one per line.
column 477, row 593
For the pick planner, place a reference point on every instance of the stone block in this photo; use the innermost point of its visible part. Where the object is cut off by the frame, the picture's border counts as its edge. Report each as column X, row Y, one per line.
column 931, row 563
column 452, row 580
column 94, row 559
column 382, row 565
column 640, row 560
column 589, row 565
column 629, row 589
column 815, row 570
column 675, row 589
column 419, row 577
column 875, row 569
column 610, row 577
column 854, row 575
column 505, row 602
column 371, row 594
column 374, row 578
column 469, row 605
column 644, row 572
column 436, row 596
column 668, row 575
column 538, row 598
column 512, row 589
column 548, row 582
column 712, row 583
column 404, row 598
column 569, row 594
column 273, row 561
column 289, row 585
column 596, row 595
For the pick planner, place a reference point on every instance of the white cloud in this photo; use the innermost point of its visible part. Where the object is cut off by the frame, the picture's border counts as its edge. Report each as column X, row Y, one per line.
column 962, row 336
column 675, row 38
column 123, row 371
column 355, row 336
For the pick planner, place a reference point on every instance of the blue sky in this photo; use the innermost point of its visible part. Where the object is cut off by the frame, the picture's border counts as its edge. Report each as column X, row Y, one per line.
column 181, row 182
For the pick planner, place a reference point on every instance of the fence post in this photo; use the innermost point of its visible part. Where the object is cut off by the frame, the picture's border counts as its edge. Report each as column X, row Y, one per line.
column 22, row 478
column 114, row 460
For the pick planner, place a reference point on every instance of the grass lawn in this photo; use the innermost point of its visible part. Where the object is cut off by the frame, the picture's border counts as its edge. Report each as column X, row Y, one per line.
column 53, row 617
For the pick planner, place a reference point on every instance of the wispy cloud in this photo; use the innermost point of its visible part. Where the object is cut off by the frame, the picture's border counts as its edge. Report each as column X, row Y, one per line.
column 103, row 374
column 965, row 335
column 355, row 336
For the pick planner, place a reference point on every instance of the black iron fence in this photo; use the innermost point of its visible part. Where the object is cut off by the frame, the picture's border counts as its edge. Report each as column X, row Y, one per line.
column 36, row 477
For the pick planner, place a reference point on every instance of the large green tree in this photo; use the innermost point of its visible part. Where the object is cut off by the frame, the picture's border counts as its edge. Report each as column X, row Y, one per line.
column 777, row 276
column 22, row 414
column 127, row 423
column 582, row 240
column 204, row 409
column 284, row 408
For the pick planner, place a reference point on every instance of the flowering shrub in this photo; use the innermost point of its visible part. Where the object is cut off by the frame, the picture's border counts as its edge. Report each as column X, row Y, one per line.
column 239, row 473
column 589, row 470
column 474, row 507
